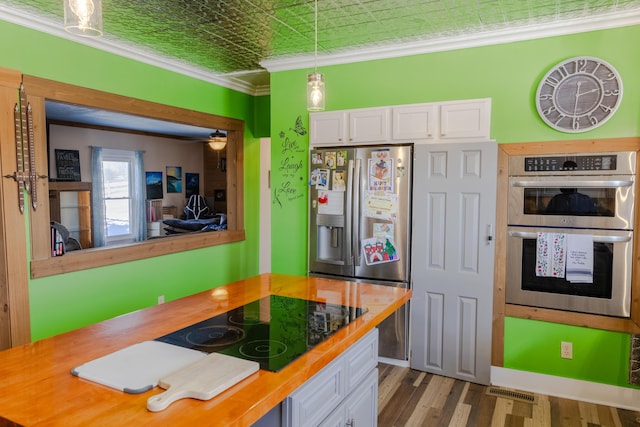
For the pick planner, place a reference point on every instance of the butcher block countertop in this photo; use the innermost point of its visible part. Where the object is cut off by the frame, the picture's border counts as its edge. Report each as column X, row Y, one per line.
column 39, row 390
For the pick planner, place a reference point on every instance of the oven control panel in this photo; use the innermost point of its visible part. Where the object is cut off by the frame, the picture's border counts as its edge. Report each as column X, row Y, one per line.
column 571, row 163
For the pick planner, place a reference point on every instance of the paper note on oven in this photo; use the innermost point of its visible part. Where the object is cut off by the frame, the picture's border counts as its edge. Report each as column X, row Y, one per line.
column 579, row 264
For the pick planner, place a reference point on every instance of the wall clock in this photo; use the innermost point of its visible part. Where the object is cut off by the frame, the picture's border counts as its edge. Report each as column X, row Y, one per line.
column 579, row 94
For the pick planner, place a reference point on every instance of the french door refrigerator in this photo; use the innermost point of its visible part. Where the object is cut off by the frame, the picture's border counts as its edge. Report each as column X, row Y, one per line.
column 360, row 224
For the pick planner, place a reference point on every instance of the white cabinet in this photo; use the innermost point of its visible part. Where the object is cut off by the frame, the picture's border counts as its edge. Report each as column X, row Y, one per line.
column 460, row 121
column 349, row 127
column 465, row 119
column 414, row 122
column 345, row 389
column 328, row 128
column 369, row 125
column 360, row 408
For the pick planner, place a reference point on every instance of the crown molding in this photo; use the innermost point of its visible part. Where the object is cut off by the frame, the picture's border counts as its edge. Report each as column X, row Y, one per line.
column 121, row 48
column 232, row 81
column 493, row 37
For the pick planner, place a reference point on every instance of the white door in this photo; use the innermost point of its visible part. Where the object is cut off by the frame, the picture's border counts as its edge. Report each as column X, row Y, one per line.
column 454, row 206
column 265, row 205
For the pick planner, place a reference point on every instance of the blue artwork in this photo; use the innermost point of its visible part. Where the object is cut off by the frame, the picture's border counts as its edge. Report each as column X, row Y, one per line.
column 174, row 179
column 154, row 185
column 192, row 184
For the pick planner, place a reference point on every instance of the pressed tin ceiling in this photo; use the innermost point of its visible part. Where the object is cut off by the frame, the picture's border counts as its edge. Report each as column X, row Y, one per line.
column 238, row 40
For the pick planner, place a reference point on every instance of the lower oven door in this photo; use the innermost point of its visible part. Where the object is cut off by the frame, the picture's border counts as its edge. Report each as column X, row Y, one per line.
column 610, row 292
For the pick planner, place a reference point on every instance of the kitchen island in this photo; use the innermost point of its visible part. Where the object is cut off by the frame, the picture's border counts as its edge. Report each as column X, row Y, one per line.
column 38, row 388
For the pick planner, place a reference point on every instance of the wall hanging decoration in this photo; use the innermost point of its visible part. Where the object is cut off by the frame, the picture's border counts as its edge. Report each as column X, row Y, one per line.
column 25, row 174
column 192, row 184
column 68, row 165
column 154, row 185
column 174, row 179
column 579, row 94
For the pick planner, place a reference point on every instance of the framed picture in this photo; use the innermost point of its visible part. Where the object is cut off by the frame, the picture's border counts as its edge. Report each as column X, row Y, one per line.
column 68, row 165
column 174, row 179
column 191, row 184
column 220, row 195
column 154, row 185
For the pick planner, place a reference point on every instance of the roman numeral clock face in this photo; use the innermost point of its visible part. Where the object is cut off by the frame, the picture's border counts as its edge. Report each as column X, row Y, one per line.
column 579, row 94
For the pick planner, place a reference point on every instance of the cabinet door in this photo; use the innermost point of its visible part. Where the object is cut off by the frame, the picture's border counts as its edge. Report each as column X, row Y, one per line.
column 369, row 125
column 413, row 122
column 360, row 408
column 318, row 397
column 327, row 128
column 465, row 119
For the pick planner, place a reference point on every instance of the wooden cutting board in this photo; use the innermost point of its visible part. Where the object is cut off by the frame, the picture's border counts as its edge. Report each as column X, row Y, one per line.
column 139, row 367
column 202, row 380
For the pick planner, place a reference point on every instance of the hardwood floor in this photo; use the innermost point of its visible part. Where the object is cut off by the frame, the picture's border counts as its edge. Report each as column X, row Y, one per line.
column 413, row 398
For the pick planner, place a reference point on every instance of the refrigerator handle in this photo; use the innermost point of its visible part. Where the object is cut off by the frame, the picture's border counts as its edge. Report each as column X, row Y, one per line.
column 356, row 212
column 348, row 230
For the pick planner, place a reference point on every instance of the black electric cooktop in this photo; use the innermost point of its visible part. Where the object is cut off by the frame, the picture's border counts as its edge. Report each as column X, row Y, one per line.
column 272, row 331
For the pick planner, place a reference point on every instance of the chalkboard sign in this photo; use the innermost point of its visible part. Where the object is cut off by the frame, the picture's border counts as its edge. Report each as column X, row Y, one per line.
column 68, row 165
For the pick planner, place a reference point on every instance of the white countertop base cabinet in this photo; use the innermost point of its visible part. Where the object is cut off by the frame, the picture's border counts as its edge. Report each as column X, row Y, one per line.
column 344, row 391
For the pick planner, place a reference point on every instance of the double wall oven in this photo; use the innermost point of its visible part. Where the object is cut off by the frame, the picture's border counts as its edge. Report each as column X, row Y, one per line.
column 570, row 232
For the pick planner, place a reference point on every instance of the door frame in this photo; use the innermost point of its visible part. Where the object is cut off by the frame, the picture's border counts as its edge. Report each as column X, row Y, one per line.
column 15, row 323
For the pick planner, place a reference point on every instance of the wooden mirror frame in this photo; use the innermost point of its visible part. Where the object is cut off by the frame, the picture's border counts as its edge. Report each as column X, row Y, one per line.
column 39, row 90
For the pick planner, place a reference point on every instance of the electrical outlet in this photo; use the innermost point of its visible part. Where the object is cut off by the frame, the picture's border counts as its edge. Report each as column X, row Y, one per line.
column 160, row 299
column 566, row 350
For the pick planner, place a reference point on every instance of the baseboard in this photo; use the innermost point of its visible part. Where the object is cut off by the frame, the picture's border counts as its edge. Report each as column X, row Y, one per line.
column 586, row 391
column 395, row 362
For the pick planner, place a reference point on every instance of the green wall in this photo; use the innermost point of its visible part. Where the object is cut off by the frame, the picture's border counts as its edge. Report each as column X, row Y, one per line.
column 509, row 75
column 72, row 300
column 594, row 351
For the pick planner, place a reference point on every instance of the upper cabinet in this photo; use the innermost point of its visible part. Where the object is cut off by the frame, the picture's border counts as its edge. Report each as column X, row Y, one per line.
column 350, row 127
column 414, row 121
column 465, row 119
column 429, row 122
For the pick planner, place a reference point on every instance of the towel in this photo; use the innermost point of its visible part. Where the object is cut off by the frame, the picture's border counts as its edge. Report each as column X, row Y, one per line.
column 550, row 255
column 579, row 258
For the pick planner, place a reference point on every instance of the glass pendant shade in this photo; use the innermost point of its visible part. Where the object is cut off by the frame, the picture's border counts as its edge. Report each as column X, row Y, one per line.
column 217, row 141
column 217, row 145
column 83, row 17
column 315, row 91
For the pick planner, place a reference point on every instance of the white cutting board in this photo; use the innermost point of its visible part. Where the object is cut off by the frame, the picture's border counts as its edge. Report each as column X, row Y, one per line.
column 139, row 367
column 202, row 380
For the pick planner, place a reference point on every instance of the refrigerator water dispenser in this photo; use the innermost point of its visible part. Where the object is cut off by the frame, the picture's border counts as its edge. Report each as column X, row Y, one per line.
column 330, row 238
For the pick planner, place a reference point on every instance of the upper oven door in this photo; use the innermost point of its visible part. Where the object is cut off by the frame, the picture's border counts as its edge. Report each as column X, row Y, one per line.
column 572, row 201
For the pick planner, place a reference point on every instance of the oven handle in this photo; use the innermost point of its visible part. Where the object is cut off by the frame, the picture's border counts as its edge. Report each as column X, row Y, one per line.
column 596, row 238
column 572, row 184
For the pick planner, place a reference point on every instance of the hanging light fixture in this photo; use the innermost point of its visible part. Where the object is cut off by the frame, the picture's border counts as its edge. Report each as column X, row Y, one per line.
column 83, row 17
column 315, row 80
column 217, row 140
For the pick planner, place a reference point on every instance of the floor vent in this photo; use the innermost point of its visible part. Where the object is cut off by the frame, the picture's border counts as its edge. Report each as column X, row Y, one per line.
column 510, row 394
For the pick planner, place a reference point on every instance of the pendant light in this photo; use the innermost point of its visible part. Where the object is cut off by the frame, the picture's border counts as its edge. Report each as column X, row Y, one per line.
column 83, row 17
column 217, row 140
column 315, row 80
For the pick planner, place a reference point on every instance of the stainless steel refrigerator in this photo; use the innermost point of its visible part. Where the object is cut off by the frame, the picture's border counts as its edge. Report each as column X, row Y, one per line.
column 360, row 224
